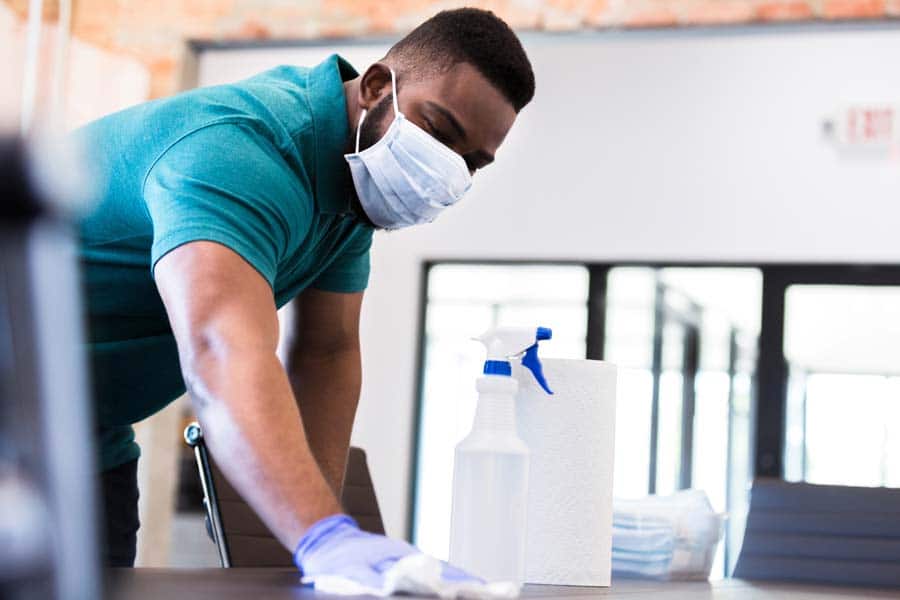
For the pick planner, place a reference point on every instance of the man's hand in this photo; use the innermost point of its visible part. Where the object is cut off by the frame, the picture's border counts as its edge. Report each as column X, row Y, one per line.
column 224, row 319
column 324, row 369
column 335, row 546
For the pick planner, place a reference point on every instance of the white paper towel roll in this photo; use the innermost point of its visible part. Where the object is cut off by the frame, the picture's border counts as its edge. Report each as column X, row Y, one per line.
column 571, row 436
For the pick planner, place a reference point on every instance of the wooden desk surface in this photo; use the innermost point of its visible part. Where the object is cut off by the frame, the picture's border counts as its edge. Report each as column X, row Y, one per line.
column 278, row 584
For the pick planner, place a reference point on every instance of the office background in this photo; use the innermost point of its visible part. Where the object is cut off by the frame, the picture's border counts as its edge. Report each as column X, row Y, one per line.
column 707, row 140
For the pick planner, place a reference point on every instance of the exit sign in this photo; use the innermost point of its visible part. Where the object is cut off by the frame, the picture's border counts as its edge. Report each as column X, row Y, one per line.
column 874, row 125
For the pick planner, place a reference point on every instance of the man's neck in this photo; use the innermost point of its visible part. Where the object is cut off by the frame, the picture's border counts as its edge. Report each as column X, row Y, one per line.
column 351, row 93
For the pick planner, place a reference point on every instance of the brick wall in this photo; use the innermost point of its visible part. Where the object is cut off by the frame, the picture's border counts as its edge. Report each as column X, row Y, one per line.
column 155, row 32
column 98, row 82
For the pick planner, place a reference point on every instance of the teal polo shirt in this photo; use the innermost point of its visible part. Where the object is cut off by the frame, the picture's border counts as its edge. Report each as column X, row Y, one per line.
column 256, row 166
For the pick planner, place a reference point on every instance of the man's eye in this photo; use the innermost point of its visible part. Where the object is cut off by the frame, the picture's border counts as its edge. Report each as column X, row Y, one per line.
column 441, row 137
column 437, row 134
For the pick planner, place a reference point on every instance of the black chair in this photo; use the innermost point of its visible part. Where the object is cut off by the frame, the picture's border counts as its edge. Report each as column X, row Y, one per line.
column 241, row 538
column 822, row 533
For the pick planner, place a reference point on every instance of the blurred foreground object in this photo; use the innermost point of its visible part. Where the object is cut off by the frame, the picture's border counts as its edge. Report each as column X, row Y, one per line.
column 665, row 537
column 48, row 539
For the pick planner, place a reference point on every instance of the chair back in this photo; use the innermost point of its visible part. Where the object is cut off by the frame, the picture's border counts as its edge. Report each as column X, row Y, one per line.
column 242, row 539
column 821, row 533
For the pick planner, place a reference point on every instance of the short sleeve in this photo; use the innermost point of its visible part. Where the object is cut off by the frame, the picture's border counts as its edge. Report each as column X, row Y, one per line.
column 227, row 184
column 349, row 271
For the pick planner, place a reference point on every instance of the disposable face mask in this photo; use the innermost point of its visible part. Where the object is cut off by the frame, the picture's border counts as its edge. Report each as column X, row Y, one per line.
column 656, row 569
column 637, row 540
column 665, row 537
column 407, row 177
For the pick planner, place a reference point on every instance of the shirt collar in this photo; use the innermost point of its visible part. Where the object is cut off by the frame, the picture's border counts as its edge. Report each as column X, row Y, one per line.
column 327, row 101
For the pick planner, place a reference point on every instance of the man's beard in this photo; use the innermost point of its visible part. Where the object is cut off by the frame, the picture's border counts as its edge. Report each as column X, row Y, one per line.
column 373, row 127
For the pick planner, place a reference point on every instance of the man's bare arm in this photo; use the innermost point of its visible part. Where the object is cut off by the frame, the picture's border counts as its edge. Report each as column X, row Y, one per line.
column 223, row 315
column 324, row 368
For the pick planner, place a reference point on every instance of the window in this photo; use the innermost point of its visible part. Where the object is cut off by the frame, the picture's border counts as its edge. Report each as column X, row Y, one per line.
column 819, row 346
column 842, row 345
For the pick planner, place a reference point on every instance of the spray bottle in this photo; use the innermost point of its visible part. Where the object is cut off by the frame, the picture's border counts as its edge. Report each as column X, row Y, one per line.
column 490, row 473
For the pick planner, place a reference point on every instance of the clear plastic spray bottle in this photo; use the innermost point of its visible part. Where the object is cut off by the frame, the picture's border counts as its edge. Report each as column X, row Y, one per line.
column 490, row 472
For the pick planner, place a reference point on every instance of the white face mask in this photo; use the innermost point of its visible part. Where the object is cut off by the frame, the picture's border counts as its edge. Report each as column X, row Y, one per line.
column 407, row 177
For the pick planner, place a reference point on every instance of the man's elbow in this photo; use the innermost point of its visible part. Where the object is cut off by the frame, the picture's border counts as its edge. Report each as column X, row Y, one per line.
column 202, row 345
column 200, row 353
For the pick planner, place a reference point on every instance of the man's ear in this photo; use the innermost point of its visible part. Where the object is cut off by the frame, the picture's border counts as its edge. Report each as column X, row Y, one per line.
column 374, row 85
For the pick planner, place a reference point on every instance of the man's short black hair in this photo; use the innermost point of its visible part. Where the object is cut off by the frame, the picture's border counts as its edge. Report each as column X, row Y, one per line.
column 473, row 36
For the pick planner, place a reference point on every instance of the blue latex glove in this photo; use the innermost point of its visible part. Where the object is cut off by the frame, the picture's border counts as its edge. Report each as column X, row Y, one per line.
column 336, row 546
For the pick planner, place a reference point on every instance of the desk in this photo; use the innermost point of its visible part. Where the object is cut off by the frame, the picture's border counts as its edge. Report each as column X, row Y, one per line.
column 280, row 584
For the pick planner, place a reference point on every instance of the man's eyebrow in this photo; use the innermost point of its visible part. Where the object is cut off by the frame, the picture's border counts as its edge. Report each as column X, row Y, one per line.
column 454, row 123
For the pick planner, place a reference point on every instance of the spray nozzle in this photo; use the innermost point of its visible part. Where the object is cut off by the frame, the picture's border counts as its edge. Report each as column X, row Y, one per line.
column 504, row 343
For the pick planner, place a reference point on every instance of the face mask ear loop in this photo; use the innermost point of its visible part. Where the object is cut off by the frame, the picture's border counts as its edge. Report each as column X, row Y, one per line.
column 362, row 115
column 394, row 93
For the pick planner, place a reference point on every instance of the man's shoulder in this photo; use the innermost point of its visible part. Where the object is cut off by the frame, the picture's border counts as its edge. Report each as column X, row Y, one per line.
column 262, row 98
column 288, row 76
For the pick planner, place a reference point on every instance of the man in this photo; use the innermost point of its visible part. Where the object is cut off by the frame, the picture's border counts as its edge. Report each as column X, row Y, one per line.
column 222, row 204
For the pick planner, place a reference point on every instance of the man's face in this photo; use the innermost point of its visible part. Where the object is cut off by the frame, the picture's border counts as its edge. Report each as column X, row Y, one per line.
column 458, row 107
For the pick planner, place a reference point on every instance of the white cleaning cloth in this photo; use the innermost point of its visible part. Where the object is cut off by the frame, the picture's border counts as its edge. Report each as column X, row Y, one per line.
column 418, row 575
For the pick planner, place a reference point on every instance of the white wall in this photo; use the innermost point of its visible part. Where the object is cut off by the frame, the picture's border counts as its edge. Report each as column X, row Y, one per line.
column 670, row 146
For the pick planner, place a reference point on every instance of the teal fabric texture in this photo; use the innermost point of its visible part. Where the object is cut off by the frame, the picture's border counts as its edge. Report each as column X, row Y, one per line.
column 256, row 166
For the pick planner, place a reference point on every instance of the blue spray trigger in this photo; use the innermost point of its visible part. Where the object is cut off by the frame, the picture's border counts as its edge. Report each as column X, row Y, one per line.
column 531, row 362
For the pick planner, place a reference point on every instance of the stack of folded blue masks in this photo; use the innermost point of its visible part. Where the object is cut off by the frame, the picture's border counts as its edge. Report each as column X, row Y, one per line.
column 665, row 537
